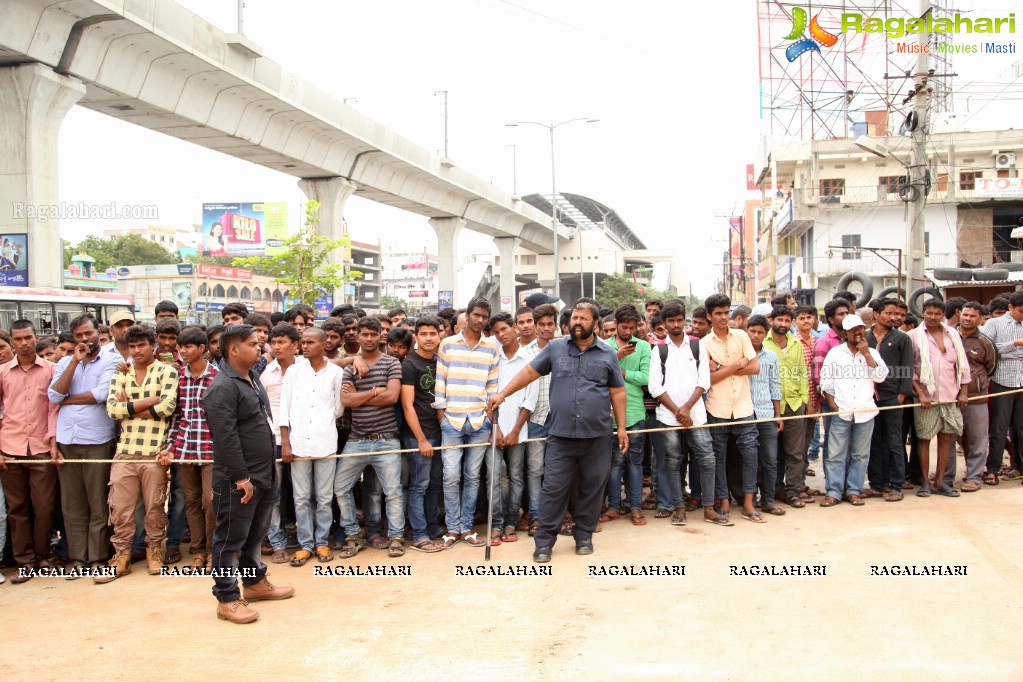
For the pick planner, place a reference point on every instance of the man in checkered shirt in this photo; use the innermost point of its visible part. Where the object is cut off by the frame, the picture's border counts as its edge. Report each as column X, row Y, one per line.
column 143, row 398
column 188, row 441
column 1006, row 332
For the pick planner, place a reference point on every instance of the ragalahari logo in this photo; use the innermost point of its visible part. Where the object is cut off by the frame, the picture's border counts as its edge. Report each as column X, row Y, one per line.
column 818, row 36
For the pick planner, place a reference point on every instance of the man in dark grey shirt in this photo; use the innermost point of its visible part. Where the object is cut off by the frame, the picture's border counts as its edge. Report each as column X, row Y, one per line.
column 886, row 467
column 586, row 382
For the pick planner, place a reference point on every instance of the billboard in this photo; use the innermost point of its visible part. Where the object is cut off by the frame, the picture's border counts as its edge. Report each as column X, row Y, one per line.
column 244, row 229
column 14, row 260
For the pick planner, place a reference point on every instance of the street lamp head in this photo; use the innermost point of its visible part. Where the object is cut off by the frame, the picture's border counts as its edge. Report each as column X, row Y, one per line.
column 873, row 146
column 593, row 120
column 511, row 125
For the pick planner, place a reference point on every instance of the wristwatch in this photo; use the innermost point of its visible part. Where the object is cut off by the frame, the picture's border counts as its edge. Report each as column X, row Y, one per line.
column 717, row 366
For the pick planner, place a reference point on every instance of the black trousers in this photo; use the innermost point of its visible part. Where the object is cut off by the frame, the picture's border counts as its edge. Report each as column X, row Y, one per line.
column 581, row 465
column 237, row 538
column 1006, row 415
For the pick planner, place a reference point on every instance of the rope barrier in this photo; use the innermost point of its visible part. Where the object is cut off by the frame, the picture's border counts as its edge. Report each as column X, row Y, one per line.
column 536, row 440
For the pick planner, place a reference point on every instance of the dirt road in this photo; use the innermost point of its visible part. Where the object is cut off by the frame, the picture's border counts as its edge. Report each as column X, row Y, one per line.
column 706, row 624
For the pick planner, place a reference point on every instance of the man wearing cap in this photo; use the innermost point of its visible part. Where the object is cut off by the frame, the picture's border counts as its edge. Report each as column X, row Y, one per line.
column 118, row 324
column 848, row 375
column 539, row 298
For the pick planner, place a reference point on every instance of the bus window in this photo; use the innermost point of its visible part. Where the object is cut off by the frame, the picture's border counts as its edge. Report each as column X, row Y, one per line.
column 109, row 310
column 65, row 313
column 96, row 311
column 41, row 315
column 8, row 313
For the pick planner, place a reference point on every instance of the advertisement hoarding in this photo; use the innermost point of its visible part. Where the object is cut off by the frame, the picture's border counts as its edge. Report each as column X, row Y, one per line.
column 244, row 228
column 14, row 260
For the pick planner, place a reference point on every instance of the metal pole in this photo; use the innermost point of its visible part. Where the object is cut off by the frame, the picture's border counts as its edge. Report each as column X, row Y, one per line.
column 554, row 218
column 241, row 9
column 919, row 162
column 582, row 280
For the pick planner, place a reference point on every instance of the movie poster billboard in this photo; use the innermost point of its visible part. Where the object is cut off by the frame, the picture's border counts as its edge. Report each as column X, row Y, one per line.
column 14, row 260
column 244, row 229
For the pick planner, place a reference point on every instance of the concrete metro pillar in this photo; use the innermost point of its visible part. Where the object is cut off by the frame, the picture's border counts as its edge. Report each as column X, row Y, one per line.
column 447, row 230
column 331, row 193
column 33, row 103
column 506, row 249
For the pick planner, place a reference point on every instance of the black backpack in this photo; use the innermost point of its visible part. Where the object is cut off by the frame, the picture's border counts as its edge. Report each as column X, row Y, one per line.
column 662, row 350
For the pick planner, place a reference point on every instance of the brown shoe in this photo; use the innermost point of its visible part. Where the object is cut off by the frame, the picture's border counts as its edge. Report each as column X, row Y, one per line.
column 236, row 611
column 121, row 565
column 154, row 560
column 198, row 563
column 524, row 521
column 265, row 591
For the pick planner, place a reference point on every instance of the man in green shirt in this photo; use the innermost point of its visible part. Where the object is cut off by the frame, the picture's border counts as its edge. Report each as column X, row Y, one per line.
column 634, row 358
column 795, row 394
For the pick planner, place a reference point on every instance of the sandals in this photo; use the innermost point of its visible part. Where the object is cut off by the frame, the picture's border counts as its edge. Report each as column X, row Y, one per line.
column 923, row 492
column 774, row 510
column 377, row 541
column 798, row 502
column 350, row 548
column 301, row 556
column 324, row 554
column 830, row 501
column 693, row 504
column 638, row 520
column 678, row 519
column 663, row 513
column 510, row 534
column 396, row 548
column 990, row 479
column 534, row 526
column 610, row 515
column 893, row 496
column 426, row 545
column 971, row 487
column 495, row 537
column 566, row 528
column 719, row 520
column 280, row 556
column 755, row 517
column 448, row 541
column 473, row 539
column 947, row 491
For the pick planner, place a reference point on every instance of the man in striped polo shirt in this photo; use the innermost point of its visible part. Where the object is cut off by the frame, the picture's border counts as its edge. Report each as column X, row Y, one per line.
column 467, row 373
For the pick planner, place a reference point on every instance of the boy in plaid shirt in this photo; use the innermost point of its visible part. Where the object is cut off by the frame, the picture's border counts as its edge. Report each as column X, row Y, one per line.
column 143, row 399
column 188, row 441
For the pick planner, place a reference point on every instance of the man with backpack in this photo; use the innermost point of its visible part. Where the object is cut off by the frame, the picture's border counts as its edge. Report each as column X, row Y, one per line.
column 679, row 376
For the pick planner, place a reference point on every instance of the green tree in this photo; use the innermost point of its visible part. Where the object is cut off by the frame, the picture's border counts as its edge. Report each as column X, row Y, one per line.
column 389, row 302
column 130, row 249
column 617, row 289
column 304, row 265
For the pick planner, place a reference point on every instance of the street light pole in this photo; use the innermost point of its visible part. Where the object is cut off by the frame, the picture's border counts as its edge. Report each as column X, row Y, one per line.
column 551, row 127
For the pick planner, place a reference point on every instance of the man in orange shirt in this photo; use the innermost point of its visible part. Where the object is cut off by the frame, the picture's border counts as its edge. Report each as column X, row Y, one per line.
column 28, row 432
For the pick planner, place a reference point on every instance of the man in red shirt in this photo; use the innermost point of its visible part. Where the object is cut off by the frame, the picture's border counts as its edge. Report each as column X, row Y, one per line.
column 28, row 432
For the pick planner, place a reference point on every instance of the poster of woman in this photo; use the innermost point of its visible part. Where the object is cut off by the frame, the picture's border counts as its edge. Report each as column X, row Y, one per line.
column 215, row 243
column 14, row 260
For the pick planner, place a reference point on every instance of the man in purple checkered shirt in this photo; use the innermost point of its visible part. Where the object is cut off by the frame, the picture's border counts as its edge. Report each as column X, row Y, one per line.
column 189, row 442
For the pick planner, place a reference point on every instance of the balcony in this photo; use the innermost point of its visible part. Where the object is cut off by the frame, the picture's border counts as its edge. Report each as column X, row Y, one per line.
column 803, row 269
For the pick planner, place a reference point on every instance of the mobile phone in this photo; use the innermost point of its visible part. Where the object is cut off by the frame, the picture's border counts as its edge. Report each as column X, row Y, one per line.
column 167, row 358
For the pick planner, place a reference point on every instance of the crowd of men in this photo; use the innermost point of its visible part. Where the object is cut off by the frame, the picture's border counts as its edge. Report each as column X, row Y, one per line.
column 601, row 415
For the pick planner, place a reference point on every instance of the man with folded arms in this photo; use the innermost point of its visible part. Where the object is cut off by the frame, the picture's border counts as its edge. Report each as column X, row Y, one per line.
column 795, row 397
column 28, row 436
column 848, row 375
column 144, row 399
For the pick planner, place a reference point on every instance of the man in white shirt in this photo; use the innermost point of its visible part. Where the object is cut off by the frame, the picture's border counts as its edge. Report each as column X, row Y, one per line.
column 848, row 375
column 310, row 406
column 511, row 426
column 284, row 344
column 678, row 385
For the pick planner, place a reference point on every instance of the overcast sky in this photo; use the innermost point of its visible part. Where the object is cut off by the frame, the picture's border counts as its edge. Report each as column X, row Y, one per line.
column 675, row 86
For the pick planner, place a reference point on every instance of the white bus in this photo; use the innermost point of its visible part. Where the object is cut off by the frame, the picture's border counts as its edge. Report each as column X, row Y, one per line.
column 51, row 310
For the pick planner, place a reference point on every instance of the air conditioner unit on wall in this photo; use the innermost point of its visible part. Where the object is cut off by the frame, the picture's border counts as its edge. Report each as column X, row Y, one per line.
column 1005, row 161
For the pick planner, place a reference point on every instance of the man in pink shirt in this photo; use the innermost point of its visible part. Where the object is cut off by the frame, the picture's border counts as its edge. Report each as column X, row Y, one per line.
column 835, row 311
column 28, row 432
column 941, row 374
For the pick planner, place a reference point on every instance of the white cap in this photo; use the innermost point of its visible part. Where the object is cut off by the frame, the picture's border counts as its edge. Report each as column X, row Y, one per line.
column 852, row 321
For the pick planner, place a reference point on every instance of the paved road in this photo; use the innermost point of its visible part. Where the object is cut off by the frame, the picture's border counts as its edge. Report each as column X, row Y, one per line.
column 709, row 624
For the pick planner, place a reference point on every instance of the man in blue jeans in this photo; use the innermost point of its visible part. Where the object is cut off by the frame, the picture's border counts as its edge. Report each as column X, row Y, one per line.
column 372, row 397
column 848, row 375
column 678, row 384
column 634, row 358
column 467, row 371
column 545, row 321
column 422, row 431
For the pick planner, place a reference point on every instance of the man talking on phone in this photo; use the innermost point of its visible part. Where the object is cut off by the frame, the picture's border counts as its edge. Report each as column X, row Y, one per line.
column 586, row 383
